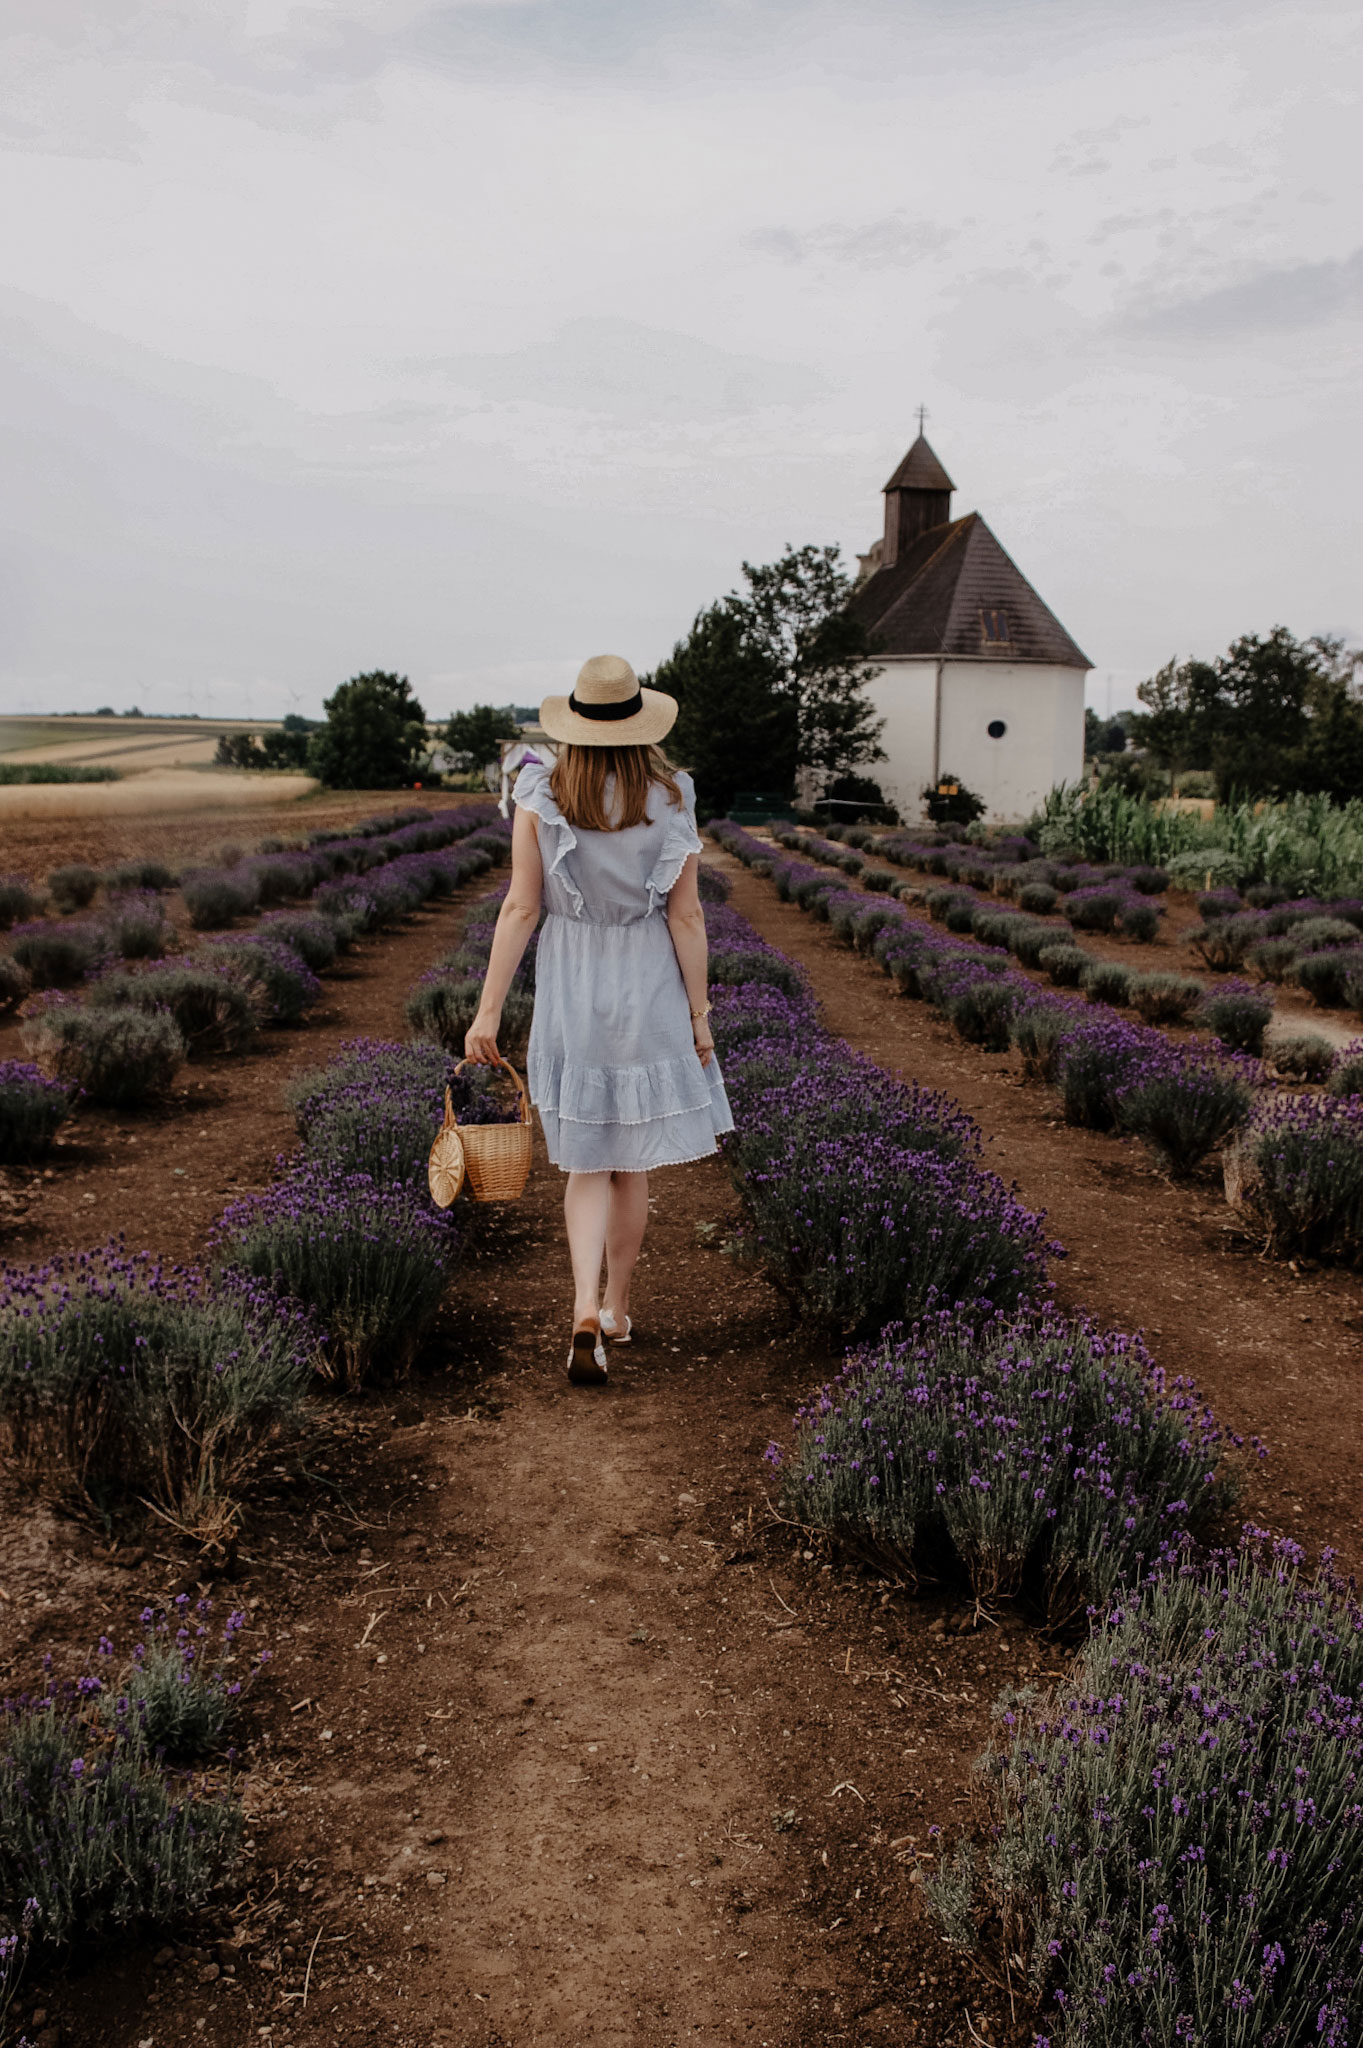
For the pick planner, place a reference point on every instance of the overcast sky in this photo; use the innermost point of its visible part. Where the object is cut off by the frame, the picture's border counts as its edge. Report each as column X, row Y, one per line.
column 472, row 339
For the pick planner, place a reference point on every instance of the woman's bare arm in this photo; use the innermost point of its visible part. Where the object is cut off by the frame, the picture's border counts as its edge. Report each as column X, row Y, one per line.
column 686, row 923
column 516, row 920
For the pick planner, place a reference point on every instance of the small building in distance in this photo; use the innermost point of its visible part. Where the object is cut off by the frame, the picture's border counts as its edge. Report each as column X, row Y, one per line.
column 973, row 675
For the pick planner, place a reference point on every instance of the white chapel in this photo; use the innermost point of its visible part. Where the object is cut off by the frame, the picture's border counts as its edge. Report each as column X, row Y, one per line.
column 972, row 674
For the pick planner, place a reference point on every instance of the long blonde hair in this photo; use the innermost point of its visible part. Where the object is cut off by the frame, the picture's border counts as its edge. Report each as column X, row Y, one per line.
column 579, row 781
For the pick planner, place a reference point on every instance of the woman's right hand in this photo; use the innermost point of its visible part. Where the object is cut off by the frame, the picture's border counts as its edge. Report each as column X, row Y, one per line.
column 480, row 1040
column 704, row 1039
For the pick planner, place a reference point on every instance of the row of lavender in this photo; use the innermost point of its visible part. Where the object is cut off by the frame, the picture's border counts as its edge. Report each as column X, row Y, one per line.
column 1295, row 1160
column 123, row 1045
column 1174, row 1842
column 1313, row 944
column 127, row 1384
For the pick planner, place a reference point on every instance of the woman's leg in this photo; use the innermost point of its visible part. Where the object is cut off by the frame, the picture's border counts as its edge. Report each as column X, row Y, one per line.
column 586, row 1204
column 626, row 1222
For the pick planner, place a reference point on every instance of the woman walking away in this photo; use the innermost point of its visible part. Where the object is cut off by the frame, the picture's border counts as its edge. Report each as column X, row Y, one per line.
column 622, row 1063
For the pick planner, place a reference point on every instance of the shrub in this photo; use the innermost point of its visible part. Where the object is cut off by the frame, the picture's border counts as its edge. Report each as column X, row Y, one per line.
column 59, row 955
column 140, row 874
column 1329, row 977
column 729, row 966
column 712, row 884
column 1313, row 934
column 33, row 1108
column 868, row 923
column 877, row 879
column 1065, row 963
column 73, row 887
column 18, row 900
column 960, row 915
column 282, row 986
column 214, row 898
column 179, row 1691
column 1031, row 1449
column 1163, row 998
column 1346, row 1070
column 376, row 1107
column 849, row 863
column 136, row 925
column 213, row 1011
column 1238, row 1012
column 1274, row 958
column 1094, row 909
column 1029, row 941
column 123, row 1380
column 442, row 1006
column 1224, row 943
column 1184, row 1105
column 1214, row 903
column 939, row 901
column 1148, row 881
column 1139, row 919
column 1264, row 895
column 312, row 938
column 1093, row 1064
column 1303, row 1178
column 93, row 1834
column 1172, row 1834
column 982, row 1007
column 370, row 1258
column 1207, row 867
column 993, row 927
column 120, row 1057
column 1040, row 1030
column 1038, row 898
column 1106, row 981
column 14, row 983
column 1306, row 1058
column 862, row 1191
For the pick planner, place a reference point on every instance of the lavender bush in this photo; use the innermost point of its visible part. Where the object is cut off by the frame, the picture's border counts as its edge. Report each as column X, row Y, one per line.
column 1239, row 1013
column 376, row 1107
column 216, row 897
column 369, row 1257
column 136, row 925
column 282, row 986
column 59, row 955
column 1303, row 1175
column 213, row 1010
column 1064, row 963
column 14, row 983
column 1185, row 1106
column 314, row 939
column 1174, row 1837
column 119, row 1057
column 18, row 900
column 122, row 1380
column 1346, row 1071
column 442, row 1006
column 1305, row 1058
column 140, row 874
column 73, row 887
column 1331, row 976
column 33, row 1108
column 1094, row 1063
column 1028, row 1451
column 94, row 1835
column 1106, row 981
column 178, row 1692
column 1162, row 998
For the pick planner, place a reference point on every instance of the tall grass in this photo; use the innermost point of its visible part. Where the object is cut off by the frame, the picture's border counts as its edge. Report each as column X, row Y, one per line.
column 1302, row 843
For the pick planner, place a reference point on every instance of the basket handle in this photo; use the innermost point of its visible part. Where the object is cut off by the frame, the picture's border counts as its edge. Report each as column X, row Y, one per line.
column 520, row 1085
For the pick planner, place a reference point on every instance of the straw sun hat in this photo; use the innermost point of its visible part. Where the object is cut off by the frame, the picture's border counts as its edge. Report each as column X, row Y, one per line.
column 608, row 708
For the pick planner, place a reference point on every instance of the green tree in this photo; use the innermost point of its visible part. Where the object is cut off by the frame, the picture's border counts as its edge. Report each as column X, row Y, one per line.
column 797, row 612
column 1103, row 735
column 374, row 736
column 1272, row 714
column 736, row 728
column 477, row 737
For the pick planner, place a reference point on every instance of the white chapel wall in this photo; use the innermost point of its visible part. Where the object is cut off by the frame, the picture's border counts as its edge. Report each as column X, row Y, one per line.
column 1042, row 711
column 1040, row 707
column 903, row 694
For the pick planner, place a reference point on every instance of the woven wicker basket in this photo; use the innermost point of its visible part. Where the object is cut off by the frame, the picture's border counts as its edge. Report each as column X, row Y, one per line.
column 497, row 1156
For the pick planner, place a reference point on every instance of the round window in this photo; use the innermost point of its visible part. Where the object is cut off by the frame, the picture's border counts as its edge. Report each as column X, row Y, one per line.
column 997, row 728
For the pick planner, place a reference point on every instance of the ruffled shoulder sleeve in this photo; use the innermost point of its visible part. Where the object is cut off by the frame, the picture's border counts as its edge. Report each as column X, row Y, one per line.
column 680, row 840
column 556, row 836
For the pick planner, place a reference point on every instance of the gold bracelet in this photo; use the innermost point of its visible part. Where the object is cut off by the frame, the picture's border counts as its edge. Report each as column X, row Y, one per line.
column 703, row 1011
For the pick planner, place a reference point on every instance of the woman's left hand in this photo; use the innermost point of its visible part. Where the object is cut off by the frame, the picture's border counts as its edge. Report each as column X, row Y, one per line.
column 705, row 1044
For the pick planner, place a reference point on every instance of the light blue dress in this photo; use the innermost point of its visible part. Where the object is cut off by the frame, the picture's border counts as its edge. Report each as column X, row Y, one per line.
column 613, row 1068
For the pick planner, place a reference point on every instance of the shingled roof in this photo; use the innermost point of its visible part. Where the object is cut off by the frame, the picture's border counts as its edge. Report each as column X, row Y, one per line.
column 920, row 471
column 955, row 592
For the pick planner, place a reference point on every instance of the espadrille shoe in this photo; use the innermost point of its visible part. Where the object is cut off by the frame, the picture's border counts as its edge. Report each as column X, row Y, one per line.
column 587, row 1359
column 611, row 1330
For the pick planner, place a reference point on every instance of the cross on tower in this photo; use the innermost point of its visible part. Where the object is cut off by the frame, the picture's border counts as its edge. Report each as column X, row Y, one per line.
column 922, row 415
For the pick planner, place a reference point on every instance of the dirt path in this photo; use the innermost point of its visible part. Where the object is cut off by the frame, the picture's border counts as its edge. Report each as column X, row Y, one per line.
column 1278, row 1352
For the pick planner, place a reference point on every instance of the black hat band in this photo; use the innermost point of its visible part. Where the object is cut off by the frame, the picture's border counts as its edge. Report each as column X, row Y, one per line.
column 606, row 711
